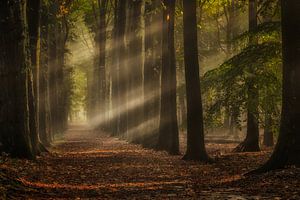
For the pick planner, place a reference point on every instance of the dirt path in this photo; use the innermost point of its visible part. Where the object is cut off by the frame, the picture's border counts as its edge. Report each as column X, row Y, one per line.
column 88, row 165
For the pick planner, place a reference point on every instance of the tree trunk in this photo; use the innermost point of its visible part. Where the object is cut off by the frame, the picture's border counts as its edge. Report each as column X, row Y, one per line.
column 53, row 68
column 14, row 103
column 33, row 10
column 287, row 150
column 268, row 131
column 195, row 129
column 115, row 76
column 122, row 65
column 251, row 142
column 101, row 101
column 135, row 67
column 152, row 66
column 44, row 109
column 149, row 67
column 168, row 139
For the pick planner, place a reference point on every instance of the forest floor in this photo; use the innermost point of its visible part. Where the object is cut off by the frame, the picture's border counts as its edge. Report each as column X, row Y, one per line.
column 87, row 165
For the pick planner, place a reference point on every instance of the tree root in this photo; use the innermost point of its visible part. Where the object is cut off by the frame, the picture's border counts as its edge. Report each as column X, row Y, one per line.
column 247, row 146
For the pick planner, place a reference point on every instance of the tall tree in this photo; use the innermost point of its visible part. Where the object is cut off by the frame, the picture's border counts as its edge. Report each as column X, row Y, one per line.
column 287, row 150
column 15, row 72
column 152, row 61
column 149, row 67
column 101, row 42
column 33, row 12
column 168, row 127
column 53, row 66
column 135, row 64
column 122, row 66
column 195, row 130
column 251, row 142
column 44, row 98
column 115, row 76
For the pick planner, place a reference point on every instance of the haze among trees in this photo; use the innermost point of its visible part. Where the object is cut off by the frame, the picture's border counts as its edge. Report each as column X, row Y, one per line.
column 149, row 99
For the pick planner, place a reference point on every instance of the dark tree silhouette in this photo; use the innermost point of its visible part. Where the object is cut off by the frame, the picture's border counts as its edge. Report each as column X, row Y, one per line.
column 135, row 64
column 195, row 130
column 16, row 88
column 101, row 65
column 168, row 127
column 123, row 73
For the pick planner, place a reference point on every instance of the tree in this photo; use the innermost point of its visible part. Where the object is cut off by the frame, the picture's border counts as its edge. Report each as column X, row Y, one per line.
column 44, row 98
column 251, row 142
column 33, row 12
column 151, row 76
column 15, row 85
column 287, row 150
column 195, row 130
column 168, row 139
column 268, row 130
column 122, row 66
column 115, row 76
column 135, row 65
column 101, row 68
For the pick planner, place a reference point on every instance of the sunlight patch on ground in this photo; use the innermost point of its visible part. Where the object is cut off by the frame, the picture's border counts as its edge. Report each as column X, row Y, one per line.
column 147, row 185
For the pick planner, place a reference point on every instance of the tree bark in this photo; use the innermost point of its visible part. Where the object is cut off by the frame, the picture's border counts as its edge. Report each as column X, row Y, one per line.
column 101, row 101
column 122, row 64
column 115, row 77
column 168, row 139
column 251, row 142
column 44, row 98
column 195, row 129
column 14, row 103
column 135, row 67
column 33, row 10
column 268, row 131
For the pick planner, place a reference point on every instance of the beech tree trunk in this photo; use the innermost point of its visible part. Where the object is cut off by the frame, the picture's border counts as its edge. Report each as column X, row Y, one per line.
column 33, row 10
column 122, row 64
column 251, row 142
column 168, row 139
column 15, row 114
column 268, row 131
column 195, row 129
column 101, row 42
column 115, row 77
column 44, row 98
column 135, row 66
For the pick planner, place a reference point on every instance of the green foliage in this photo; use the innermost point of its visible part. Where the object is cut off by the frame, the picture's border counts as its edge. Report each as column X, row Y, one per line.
column 226, row 86
column 265, row 32
column 78, row 90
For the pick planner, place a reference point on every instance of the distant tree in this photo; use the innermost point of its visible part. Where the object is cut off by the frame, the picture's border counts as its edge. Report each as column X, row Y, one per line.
column 151, row 71
column 135, row 64
column 268, row 139
column 195, row 130
column 44, row 98
column 251, row 142
column 101, row 64
column 122, row 65
column 168, row 127
column 115, row 76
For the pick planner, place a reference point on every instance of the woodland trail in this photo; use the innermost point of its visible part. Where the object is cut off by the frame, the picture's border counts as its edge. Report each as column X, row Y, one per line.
column 89, row 165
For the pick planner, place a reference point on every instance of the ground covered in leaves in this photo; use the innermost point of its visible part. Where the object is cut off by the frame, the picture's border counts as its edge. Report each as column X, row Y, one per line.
column 88, row 165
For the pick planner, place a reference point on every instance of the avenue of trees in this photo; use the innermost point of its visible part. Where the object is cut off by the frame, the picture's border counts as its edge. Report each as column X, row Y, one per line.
column 157, row 67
